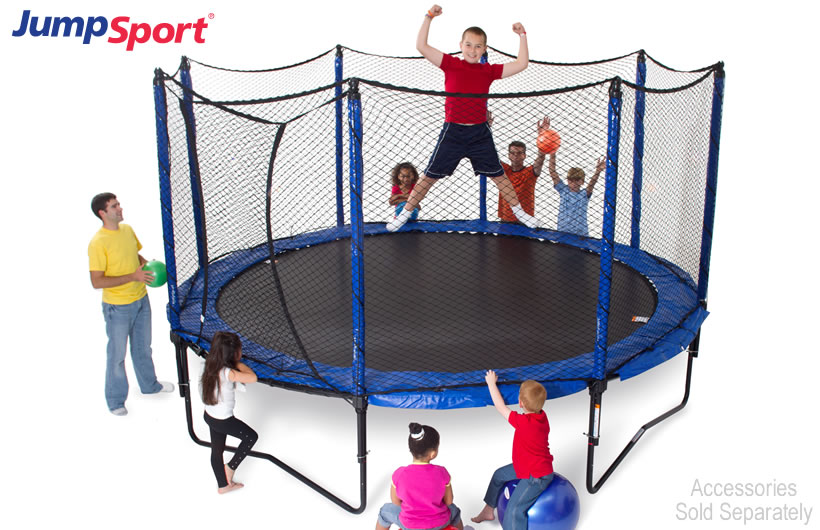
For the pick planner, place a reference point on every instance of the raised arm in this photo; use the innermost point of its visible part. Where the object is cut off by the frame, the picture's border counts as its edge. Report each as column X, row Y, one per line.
column 599, row 167
column 538, row 163
column 498, row 401
column 523, row 59
column 431, row 54
column 556, row 178
column 242, row 374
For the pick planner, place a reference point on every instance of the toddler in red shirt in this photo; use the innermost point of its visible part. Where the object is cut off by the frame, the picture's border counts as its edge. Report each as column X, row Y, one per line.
column 531, row 458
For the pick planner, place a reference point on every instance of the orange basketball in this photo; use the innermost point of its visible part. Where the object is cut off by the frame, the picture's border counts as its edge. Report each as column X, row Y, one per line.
column 548, row 141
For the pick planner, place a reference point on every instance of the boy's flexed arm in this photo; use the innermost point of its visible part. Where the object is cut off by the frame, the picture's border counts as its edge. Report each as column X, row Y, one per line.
column 498, row 401
column 599, row 167
column 523, row 59
column 431, row 54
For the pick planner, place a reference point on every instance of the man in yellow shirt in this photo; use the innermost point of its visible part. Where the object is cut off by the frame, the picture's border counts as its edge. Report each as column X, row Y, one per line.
column 115, row 266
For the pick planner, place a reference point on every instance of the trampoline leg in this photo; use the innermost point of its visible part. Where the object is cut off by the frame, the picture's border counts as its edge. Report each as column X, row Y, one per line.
column 184, row 385
column 361, row 435
column 596, row 391
column 361, row 414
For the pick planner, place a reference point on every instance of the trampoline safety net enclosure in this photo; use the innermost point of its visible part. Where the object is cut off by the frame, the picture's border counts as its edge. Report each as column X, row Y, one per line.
column 275, row 187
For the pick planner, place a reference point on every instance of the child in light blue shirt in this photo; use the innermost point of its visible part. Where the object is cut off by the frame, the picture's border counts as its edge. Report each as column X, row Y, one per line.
column 572, row 211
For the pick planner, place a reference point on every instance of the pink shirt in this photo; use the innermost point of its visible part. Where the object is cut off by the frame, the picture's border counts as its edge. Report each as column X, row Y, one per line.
column 421, row 488
column 467, row 78
column 531, row 449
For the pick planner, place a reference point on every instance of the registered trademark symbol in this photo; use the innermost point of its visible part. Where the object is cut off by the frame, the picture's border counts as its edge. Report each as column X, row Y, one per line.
column 210, row 15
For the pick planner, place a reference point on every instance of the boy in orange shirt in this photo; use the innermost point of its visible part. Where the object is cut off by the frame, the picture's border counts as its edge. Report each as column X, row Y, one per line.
column 522, row 177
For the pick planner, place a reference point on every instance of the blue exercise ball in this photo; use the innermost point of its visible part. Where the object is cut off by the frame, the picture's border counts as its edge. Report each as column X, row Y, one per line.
column 557, row 508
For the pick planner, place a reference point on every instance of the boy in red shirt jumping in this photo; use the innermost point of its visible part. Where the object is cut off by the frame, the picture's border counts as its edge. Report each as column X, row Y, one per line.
column 466, row 132
column 531, row 458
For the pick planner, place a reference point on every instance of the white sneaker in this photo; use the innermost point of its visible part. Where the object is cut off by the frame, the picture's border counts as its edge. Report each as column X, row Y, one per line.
column 122, row 411
column 167, row 387
column 399, row 221
column 529, row 220
column 394, row 225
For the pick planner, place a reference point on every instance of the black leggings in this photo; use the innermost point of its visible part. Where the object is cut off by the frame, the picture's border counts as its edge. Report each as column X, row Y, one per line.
column 220, row 429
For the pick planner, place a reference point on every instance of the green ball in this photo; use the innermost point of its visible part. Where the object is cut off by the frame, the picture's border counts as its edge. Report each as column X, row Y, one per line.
column 157, row 268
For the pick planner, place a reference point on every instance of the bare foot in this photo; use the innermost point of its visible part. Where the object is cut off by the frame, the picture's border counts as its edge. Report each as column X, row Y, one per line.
column 230, row 487
column 486, row 514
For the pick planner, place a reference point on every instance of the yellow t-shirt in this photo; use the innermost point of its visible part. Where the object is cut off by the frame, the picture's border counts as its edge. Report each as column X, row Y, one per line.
column 115, row 252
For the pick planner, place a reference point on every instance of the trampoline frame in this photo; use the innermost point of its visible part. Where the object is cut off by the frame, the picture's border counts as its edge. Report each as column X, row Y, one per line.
column 597, row 387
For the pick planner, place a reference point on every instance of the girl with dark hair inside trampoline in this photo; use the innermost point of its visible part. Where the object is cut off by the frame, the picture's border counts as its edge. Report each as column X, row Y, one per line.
column 223, row 370
column 421, row 494
column 403, row 177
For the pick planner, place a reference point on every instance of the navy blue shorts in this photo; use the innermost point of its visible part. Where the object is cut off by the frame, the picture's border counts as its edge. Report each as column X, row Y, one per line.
column 464, row 141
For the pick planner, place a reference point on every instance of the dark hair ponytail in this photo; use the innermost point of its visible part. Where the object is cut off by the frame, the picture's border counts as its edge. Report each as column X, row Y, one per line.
column 225, row 347
column 422, row 440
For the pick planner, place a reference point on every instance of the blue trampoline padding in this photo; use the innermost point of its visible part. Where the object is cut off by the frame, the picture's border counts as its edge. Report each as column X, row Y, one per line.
column 673, row 326
column 457, row 398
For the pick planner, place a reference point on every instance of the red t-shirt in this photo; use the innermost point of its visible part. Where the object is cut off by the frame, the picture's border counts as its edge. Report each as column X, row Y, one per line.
column 396, row 190
column 467, row 78
column 531, row 449
column 524, row 184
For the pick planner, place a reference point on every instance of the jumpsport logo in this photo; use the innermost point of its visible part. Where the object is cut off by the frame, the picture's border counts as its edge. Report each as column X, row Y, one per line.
column 131, row 33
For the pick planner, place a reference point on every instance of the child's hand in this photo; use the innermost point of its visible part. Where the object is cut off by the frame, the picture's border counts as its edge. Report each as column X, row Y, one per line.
column 601, row 165
column 544, row 124
column 434, row 11
column 518, row 29
column 491, row 378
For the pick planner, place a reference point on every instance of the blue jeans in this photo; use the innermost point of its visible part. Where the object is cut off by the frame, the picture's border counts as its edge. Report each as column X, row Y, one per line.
column 124, row 323
column 389, row 514
column 523, row 496
column 400, row 207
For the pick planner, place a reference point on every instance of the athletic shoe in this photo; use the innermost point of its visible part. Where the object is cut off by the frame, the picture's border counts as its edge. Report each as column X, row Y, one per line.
column 530, row 221
column 395, row 224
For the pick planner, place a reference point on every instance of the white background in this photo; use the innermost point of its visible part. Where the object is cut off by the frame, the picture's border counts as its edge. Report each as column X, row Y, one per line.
column 79, row 119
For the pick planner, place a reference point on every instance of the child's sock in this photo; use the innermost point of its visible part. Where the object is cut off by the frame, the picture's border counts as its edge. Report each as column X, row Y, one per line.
column 399, row 221
column 524, row 217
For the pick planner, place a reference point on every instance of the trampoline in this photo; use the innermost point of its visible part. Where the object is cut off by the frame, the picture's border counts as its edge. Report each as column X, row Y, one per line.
column 273, row 193
column 549, row 335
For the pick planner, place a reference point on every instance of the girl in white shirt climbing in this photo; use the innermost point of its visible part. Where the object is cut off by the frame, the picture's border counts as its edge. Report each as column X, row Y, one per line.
column 223, row 370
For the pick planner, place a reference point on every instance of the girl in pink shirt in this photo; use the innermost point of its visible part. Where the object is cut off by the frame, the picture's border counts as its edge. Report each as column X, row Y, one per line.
column 421, row 493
